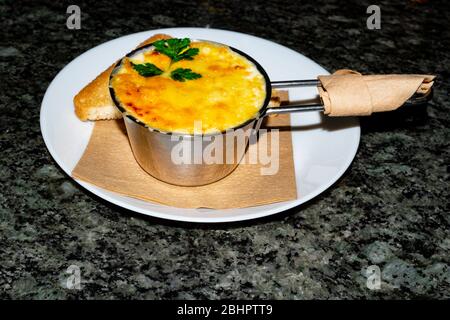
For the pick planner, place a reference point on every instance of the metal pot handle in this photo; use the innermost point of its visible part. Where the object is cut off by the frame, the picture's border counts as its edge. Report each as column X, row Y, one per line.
column 417, row 99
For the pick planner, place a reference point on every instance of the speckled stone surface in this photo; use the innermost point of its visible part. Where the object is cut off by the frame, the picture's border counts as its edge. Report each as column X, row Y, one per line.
column 389, row 210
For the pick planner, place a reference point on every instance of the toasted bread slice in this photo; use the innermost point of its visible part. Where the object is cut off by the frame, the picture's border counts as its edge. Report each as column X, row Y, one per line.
column 94, row 102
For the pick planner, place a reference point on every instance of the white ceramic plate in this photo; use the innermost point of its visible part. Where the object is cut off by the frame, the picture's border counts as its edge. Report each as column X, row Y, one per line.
column 323, row 147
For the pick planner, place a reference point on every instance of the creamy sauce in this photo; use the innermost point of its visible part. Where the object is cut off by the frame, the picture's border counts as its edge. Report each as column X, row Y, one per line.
column 230, row 91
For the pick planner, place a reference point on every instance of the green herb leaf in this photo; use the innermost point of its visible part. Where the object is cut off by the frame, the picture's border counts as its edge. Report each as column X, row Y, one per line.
column 182, row 75
column 176, row 49
column 147, row 69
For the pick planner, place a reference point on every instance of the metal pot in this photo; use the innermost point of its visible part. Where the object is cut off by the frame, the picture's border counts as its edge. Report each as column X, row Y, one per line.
column 153, row 149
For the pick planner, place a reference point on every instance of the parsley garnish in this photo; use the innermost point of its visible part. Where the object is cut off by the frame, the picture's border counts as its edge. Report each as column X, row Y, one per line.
column 147, row 69
column 176, row 49
column 182, row 75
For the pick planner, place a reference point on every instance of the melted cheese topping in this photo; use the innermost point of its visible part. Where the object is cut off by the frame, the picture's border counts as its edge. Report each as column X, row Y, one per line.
column 230, row 91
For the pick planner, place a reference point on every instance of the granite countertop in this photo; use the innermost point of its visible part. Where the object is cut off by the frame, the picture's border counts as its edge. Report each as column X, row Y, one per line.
column 389, row 210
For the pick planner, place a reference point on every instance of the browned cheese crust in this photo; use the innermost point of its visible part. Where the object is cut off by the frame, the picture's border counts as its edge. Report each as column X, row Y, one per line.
column 94, row 102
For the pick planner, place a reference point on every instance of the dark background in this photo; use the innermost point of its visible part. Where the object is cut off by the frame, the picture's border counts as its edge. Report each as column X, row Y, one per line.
column 390, row 209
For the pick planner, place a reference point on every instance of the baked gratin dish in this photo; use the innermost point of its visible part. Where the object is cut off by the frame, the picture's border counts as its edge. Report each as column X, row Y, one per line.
column 204, row 85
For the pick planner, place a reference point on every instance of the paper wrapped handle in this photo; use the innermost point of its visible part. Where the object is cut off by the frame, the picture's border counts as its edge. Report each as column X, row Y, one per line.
column 422, row 95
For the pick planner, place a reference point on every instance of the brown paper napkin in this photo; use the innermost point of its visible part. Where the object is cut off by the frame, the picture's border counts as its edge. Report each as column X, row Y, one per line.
column 108, row 162
column 348, row 93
